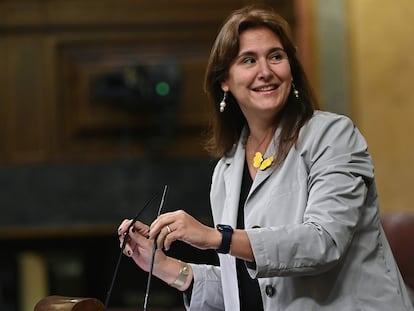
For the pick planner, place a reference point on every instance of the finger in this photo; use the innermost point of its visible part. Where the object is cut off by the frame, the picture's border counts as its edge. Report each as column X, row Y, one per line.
column 139, row 239
column 128, row 250
column 123, row 239
column 135, row 242
column 155, row 229
column 162, row 221
column 160, row 237
column 170, row 236
column 141, row 228
column 124, row 226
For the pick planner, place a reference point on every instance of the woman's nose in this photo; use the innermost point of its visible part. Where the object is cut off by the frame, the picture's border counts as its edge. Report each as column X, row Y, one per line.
column 264, row 70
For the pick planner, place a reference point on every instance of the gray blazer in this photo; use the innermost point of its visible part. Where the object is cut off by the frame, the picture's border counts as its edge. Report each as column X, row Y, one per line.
column 313, row 224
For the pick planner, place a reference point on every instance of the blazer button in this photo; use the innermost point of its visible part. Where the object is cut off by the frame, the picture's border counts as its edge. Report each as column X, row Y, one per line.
column 270, row 290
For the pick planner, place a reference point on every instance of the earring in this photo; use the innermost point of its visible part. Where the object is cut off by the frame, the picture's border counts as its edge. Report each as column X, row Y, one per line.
column 223, row 102
column 295, row 91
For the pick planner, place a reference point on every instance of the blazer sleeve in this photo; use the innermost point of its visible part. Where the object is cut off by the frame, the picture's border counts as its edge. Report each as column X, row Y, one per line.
column 339, row 172
column 340, row 175
column 207, row 291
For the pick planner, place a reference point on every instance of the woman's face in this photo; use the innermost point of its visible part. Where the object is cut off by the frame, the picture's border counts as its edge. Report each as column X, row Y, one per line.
column 259, row 77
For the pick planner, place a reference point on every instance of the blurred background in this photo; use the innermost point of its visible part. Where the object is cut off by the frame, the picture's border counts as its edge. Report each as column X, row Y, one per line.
column 102, row 104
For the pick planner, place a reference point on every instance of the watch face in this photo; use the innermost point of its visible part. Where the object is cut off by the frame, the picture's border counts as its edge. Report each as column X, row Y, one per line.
column 221, row 227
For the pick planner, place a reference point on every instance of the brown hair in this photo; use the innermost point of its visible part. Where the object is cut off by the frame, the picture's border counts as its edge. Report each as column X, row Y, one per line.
column 225, row 127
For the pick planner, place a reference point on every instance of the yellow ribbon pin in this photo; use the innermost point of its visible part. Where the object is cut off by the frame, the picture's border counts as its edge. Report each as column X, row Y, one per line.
column 260, row 163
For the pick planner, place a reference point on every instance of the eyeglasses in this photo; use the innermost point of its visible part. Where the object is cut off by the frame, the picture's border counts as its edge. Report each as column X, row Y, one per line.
column 147, row 291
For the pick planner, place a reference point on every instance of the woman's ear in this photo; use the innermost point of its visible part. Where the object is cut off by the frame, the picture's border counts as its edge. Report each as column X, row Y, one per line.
column 224, row 86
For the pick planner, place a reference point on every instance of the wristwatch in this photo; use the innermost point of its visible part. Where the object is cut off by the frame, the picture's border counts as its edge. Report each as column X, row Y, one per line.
column 226, row 233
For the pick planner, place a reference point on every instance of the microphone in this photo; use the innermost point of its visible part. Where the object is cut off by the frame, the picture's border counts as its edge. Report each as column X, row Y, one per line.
column 122, row 249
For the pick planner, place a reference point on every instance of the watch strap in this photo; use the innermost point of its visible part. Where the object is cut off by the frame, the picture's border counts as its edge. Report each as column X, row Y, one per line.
column 226, row 235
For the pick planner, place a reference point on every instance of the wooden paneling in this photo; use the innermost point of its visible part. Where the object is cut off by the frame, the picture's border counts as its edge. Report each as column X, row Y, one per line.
column 51, row 51
column 84, row 118
column 24, row 98
column 381, row 81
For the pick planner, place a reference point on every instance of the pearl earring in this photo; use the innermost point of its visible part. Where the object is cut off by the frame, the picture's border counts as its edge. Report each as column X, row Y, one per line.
column 295, row 91
column 223, row 102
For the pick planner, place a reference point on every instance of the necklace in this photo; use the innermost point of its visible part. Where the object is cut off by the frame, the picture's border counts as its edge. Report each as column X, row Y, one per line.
column 260, row 163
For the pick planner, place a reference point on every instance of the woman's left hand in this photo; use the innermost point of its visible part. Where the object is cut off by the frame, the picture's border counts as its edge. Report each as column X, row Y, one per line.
column 179, row 225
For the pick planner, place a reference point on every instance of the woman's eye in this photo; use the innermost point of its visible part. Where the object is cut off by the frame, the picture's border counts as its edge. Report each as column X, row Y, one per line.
column 278, row 57
column 249, row 60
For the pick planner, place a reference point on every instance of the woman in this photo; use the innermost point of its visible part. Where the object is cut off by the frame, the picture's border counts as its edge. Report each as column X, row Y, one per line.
column 293, row 195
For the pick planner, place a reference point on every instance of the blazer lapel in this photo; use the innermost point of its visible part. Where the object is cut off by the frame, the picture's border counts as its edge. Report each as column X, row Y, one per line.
column 261, row 176
column 233, row 177
column 232, row 181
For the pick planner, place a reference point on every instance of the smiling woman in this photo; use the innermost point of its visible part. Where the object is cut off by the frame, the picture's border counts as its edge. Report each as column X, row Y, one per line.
column 260, row 81
column 293, row 195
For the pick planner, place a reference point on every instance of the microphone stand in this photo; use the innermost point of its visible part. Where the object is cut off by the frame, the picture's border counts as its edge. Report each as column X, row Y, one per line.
column 154, row 249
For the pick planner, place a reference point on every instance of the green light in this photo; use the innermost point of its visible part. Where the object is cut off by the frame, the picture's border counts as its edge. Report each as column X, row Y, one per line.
column 162, row 88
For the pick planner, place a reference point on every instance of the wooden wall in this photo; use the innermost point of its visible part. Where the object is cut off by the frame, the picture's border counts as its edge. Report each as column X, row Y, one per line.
column 51, row 51
column 381, row 78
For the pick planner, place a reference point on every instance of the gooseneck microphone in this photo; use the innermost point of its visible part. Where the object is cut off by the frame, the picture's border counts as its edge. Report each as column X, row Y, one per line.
column 124, row 244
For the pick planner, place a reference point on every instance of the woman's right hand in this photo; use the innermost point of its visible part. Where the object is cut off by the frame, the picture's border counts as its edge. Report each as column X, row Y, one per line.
column 138, row 246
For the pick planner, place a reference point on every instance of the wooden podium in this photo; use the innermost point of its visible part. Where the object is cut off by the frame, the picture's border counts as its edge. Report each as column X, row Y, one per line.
column 62, row 303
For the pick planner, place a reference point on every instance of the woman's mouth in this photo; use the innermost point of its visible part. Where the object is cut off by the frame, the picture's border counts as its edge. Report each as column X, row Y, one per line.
column 266, row 88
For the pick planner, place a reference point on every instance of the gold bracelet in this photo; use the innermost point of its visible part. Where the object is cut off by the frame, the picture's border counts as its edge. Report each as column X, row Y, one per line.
column 182, row 275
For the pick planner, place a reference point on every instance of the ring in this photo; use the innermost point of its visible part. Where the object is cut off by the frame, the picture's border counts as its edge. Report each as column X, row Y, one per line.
column 169, row 229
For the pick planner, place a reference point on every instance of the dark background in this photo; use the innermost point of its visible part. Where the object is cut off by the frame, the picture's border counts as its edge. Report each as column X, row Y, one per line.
column 86, row 139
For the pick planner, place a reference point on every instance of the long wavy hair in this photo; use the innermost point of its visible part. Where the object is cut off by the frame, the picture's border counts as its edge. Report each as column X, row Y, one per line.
column 225, row 127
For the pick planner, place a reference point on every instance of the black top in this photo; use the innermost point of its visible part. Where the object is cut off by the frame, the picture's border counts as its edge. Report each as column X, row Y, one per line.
column 249, row 291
